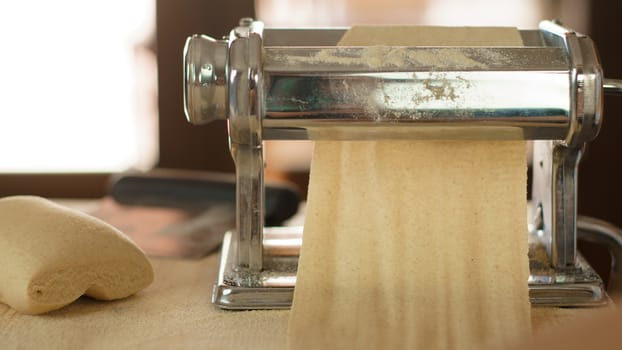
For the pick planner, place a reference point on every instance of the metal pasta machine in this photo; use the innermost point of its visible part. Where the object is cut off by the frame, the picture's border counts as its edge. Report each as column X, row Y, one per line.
column 291, row 84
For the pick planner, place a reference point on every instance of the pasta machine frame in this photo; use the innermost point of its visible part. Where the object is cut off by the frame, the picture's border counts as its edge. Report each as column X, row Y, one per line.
column 288, row 84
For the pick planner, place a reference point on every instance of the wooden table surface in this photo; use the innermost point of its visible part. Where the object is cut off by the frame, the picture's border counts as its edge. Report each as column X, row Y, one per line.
column 174, row 312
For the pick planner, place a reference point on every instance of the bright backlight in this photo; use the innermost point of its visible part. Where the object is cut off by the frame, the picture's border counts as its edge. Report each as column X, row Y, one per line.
column 69, row 85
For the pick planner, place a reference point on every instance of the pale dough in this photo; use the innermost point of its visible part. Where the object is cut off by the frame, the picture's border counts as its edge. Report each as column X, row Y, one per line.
column 431, row 36
column 414, row 244
column 51, row 255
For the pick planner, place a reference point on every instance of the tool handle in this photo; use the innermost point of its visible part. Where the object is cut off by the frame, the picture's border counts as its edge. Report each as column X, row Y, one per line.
column 613, row 86
column 182, row 189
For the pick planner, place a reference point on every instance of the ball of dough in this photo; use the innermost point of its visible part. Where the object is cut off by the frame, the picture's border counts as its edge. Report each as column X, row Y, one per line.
column 51, row 255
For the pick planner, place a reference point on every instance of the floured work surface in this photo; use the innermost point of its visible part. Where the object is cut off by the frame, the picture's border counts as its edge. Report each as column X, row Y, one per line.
column 414, row 244
column 175, row 313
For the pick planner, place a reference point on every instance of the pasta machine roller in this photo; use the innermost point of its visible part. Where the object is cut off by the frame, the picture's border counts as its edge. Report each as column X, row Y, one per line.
column 292, row 84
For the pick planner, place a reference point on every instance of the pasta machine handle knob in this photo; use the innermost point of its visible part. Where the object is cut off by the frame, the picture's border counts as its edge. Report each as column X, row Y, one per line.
column 205, row 74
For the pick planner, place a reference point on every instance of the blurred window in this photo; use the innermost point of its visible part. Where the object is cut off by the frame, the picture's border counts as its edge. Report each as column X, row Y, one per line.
column 77, row 87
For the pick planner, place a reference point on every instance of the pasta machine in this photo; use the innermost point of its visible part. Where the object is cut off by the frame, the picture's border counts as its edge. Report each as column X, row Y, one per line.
column 293, row 84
